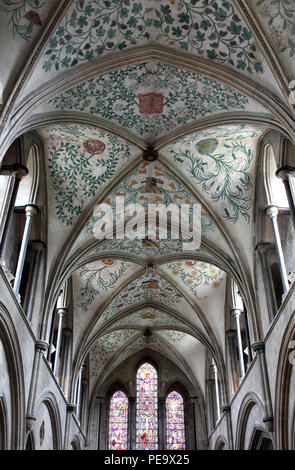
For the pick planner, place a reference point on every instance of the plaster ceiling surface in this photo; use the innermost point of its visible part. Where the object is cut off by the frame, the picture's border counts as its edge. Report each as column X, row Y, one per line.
column 81, row 161
column 92, row 285
column 151, row 99
column 221, row 164
column 21, row 22
column 153, row 343
column 113, row 115
column 150, row 183
column 278, row 20
column 189, row 347
column 204, row 29
column 205, row 283
column 105, row 348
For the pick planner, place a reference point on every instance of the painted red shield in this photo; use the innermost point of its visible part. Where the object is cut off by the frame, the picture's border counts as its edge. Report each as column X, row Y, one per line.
column 94, row 146
column 151, row 103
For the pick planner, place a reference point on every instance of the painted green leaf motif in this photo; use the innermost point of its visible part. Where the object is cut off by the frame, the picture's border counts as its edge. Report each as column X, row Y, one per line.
column 280, row 16
column 217, row 173
column 114, row 96
column 77, row 175
column 98, row 279
column 136, row 23
column 194, row 274
column 24, row 17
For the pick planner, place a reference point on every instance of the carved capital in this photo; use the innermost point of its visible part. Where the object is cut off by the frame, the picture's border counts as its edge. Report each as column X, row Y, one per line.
column 71, row 407
column 31, row 210
column 268, row 421
column 19, row 171
column 272, row 211
column 258, row 347
column 225, row 408
column 286, row 172
column 30, row 423
column 41, row 347
column 264, row 247
column 37, row 245
column 236, row 312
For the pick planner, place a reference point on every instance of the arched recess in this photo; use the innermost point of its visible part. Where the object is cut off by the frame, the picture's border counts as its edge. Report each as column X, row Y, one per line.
column 190, row 417
column 75, row 444
column 48, row 431
column 221, row 443
column 284, row 433
column 261, row 440
column 248, row 403
column 117, row 419
column 206, row 67
column 30, row 442
column 12, row 350
column 3, row 423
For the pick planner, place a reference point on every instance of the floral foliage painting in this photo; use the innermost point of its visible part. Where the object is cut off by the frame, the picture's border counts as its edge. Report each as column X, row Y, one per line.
column 150, row 98
column 208, row 28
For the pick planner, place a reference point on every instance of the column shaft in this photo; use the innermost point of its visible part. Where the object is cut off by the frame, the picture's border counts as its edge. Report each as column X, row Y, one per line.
column 272, row 212
column 216, row 390
column 61, row 313
column 30, row 212
column 236, row 313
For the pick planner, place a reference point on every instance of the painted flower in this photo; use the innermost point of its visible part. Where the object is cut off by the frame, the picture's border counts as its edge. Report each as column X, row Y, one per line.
column 189, row 282
column 215, row 284
column 213, row 271
column 175, row 272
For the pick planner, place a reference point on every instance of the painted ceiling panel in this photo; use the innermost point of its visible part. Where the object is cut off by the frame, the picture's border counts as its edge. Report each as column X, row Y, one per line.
column 190, row 348
column 92, row 286
column 105, row 348
column 204, row 282
column 21, row 21
column 151, row 99
column 152, row 343
column 221, row 163
column 150, row 287
column 81, row 160
column 92, row 28
column 278, row 20
column 150, row 183
column 147, row 318
column 198, row 278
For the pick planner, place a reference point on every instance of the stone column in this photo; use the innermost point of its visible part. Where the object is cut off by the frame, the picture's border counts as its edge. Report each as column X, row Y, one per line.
column 226, row 409
column 31, row 210
column 18, row 172
column 100, row 403
column 272, row 213
column 194, row 417
column 162, row 445
column 237, row 313
column 215, row 373
column 231, row 334
column 210, row 403
column 61, row 312
column 38, row 248
column 40, row 350
column 259, row 348
column 79, row 393
column 132, row 422
column 71, row 407
column 263, row 249
column 66, row 359
column 250, row 357
column 287, row 174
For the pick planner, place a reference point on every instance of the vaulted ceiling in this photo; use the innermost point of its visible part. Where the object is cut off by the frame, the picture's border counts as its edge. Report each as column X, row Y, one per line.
column 108, row 83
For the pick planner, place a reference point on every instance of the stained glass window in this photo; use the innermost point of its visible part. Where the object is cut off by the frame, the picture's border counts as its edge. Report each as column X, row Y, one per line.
column 175, row 422
column 147, row 408
column 118, row 422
